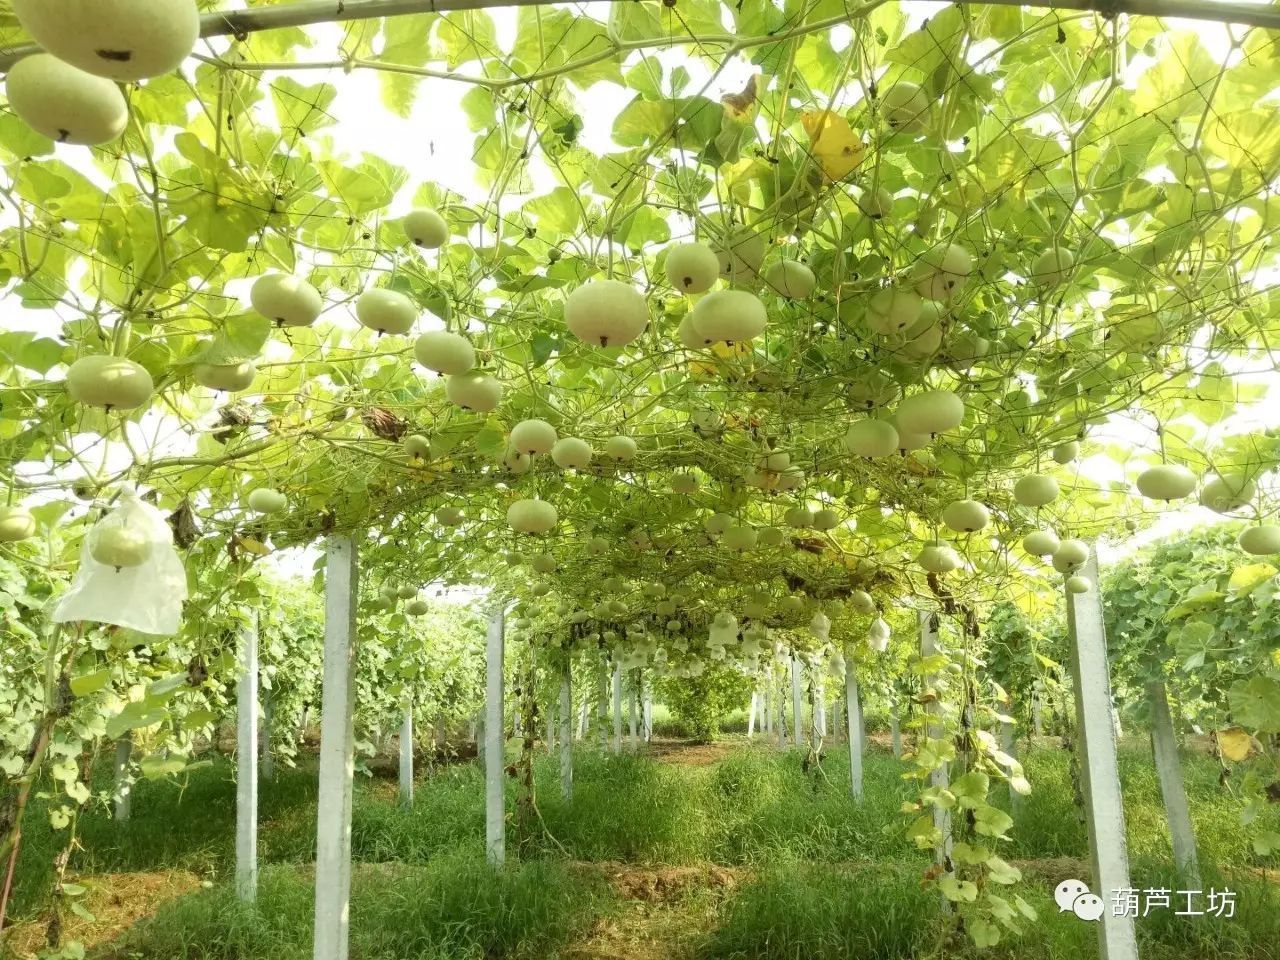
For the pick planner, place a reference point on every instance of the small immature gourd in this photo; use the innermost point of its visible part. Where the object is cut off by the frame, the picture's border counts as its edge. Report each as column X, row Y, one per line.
column 386, row 311
column 266, row 500
column 417, row 446
column 288, row 301
column 111, row 382
column 119, row 546
column 905, row 106
column 16, row 523
column 1065, row 453
column 228, row 377
column 942, row 271
column 1078, row 584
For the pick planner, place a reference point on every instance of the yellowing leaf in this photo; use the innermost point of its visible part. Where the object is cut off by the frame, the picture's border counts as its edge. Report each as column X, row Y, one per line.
column 1236, row 743
column 837, row 148
column 1244, row 578
column 250, row 545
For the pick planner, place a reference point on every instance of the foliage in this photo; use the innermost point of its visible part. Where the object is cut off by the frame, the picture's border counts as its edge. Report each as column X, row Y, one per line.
column 699, row 702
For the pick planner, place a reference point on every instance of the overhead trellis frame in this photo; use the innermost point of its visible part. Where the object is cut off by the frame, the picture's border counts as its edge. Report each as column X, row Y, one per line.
column 243, row 22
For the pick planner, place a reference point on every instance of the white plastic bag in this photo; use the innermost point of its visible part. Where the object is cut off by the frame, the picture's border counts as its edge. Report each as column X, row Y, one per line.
column 147, row 598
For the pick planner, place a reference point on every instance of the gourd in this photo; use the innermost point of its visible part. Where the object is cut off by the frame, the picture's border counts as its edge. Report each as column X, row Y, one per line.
column 878, row 635
column 386, row 311
column 119, row 546
column 892, row 311
column 111, row 382
column 862, row 602
column 1079, row 584
column 684, row 484
column 1065, row 453
column 876, row 204
column 930, row 413
column 771, row 537
column 517, row 461
column 1259, row 541
column 905, row 106
column 543, row 563
column 826, row 519
column 473, row 391
column 16, row 523
column 938, row 558
column 571, row 453
column 64, row 103
column 731, row 316
column 799, row 517
column 717, row 524
column 426, row 228
column 942, row 272
column 1052, row 267
column 740, row 537
column 288, row 301
column 606, row 312
column 266, row 500
column 1041, row 543
column 229, row 377
column 449, row 516
column 534, row 437
column 871, row 438
column 1227, row 492
column 692, row 267
column 444, row 352
column 1166, row 482
column 620, row 448
column 532, row 516
column 417, row 446
column 1070, row 556
column 790, row 279
column 124, row 40
column 1035, row 490
column 966, row 516
column 416, row 608
column 740, row 251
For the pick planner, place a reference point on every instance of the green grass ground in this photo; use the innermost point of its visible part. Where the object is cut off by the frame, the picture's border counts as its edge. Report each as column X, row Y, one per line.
column 801, row 870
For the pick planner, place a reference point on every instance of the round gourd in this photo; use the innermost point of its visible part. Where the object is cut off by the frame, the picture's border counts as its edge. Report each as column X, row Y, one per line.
column 229, row 377
column 862, row 602
column 1227, row 492
column 717, row 524
column 875, row 389
column 930, row 413
column 512, row 558
column 1166, row 482
column 907, row 442
column 473, row 391
column 871, row 438
column 876, row 204
column 16, row 524
column 740, row 537
column 288, row 301
column 1070, row 556
column 791, row 478
column 1052, row 267
column 799, row 517
column 450, row 516
column 426, row 228
column 64, row 103
column 387, row 311
column 775, row 461
column 620, row 448
column 444, row 352
column 417, row 446
column 1259, row 541
column 905, row 106
column 597, row 546
column 943, row 271
column 534, row 437
column 740, row 251
column 826, row 519
column 938, row 558
column 965, row 349
column 965, row 516
column 607, row 313
column 1035, row 490
column 111, row 382
column 1078, row 584
column 406, row 592
column 1065, row 453
column 892, row 311
column 684, row 484
column 1041, row 543
column 266, row 500
column 571, row 453
column 688, row 334
column 543, row 563
column 692, row 267
column 517, row 461
column 416, row 608
column 531, row 516
column 771, row 537
column 119, row 546
column 791, row 279
column 791, row 605
column 924, row 339
column 731, row 316
column 121, row 39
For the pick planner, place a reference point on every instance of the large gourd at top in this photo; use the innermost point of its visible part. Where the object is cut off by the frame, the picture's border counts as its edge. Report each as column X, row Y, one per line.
column 120, row 39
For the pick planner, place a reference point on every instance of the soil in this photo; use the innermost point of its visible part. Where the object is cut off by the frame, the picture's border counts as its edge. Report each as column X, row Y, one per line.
column 684, row 753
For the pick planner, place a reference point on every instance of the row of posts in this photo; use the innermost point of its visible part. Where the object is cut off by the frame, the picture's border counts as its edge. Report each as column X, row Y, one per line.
column 1097, row 750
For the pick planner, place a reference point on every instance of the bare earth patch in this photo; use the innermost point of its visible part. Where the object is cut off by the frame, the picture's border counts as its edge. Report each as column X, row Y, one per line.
column 116, row 900
column 687, row 754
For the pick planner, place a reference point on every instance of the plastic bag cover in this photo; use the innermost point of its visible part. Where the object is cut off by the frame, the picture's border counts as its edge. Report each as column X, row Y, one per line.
column 147, row 598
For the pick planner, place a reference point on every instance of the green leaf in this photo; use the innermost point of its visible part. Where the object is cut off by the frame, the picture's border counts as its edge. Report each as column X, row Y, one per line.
column 133, row 716
column 88, row 683
column 957, row 890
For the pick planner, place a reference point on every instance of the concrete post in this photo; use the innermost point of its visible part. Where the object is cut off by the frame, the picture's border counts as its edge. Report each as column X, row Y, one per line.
column 123, row 788
column 247, row 765
column 1164, row 744
column 853, row 720
column 494, row 741
column 406, row 754
column 566, row 738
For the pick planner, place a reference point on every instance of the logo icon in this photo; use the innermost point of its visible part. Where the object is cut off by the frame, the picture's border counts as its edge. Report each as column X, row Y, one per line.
column 1074, row 896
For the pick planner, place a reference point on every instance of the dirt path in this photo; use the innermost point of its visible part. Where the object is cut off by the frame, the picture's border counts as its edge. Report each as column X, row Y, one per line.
column 684, row 753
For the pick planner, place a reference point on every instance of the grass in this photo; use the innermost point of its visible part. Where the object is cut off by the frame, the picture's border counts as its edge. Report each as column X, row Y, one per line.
column 821, row 875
